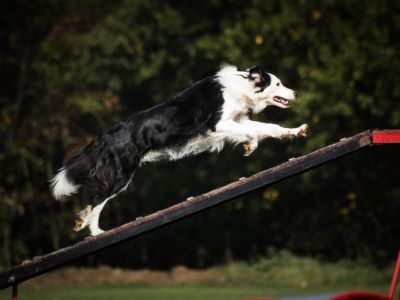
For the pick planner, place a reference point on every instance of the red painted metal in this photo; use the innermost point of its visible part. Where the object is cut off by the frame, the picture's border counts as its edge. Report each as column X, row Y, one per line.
column 386, row 136
column 394, row 278
column 359, row 295
column 14, row 292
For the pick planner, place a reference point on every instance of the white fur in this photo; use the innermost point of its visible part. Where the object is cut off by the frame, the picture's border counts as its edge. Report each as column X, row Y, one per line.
column 61, row 186
column 90, row 217
column 240, row 96
column 84, row 216
column 197, row 145
column 94, row 218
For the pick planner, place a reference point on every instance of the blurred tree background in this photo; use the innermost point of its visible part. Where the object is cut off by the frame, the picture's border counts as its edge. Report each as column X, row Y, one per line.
column 71, row 68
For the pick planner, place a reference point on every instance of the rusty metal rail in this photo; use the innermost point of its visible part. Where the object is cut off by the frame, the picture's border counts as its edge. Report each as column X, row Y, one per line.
column 46, row 263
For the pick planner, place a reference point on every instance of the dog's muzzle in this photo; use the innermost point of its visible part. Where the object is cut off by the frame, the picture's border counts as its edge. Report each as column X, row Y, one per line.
column 282, row 100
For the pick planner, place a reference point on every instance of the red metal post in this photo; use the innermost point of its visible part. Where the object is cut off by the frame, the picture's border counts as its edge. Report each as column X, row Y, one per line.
column 14, row 292
column 394, row 278
column 386, row 136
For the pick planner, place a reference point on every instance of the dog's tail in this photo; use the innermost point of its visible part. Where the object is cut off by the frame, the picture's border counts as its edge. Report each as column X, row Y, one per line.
column 70, row 177
column 62, row 185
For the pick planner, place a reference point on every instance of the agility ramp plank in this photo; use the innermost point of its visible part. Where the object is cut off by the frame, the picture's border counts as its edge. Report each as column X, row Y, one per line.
column 46, row 263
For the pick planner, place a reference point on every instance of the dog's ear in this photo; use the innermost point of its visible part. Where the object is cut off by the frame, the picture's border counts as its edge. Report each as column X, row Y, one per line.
column 261, row 78
column 255, row 73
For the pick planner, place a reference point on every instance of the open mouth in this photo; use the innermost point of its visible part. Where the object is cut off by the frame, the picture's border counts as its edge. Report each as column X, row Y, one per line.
column 281, row 100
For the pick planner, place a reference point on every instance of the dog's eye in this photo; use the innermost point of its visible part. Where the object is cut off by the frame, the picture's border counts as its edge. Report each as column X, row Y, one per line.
column 278, row 84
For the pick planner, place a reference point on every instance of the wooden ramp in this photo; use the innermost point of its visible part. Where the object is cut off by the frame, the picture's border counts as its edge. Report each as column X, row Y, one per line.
column 194, row 205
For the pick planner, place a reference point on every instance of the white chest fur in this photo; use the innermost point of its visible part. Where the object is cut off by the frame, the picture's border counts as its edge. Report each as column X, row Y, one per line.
column 211, row 142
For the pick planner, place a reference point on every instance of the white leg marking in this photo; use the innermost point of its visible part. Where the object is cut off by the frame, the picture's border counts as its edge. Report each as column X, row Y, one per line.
column 265, row 130
column 94, row 218
column 239, row 133
column 236, row 132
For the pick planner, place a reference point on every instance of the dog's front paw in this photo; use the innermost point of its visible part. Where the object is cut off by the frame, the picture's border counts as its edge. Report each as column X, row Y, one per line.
column 249, row 147
column 302, row 130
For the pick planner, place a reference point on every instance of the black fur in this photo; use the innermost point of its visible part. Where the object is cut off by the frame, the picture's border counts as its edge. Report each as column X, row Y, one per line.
column 108, row 162
column 263, row 79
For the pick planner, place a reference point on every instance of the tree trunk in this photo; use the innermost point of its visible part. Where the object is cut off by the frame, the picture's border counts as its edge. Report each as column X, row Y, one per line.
column 6, row 244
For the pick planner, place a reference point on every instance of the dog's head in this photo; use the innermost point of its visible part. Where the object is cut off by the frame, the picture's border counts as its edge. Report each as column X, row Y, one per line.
column 257, row 86
column 268, row 90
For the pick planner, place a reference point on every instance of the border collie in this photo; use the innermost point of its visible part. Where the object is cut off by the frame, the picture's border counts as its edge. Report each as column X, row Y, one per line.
column 202, row 117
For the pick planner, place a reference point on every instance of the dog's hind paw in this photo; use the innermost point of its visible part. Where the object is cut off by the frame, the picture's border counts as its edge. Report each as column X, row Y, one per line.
column 83, row 218
column 96, row 231
column 79, row 224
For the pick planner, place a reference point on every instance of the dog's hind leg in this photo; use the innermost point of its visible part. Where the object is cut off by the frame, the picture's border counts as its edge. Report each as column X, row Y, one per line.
column 108, row 181
column 95, row 216
column 99, row 203
column 90, row 217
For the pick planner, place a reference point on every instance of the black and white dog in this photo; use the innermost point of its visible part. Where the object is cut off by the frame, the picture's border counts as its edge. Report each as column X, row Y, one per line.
column 202, row 117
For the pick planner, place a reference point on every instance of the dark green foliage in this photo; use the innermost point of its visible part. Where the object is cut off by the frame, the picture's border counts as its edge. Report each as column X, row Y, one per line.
column 70, row 68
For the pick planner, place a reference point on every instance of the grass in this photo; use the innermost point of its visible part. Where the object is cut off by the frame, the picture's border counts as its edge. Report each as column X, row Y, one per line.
column 283, row 269
column 279, row 274
column 171, row 292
